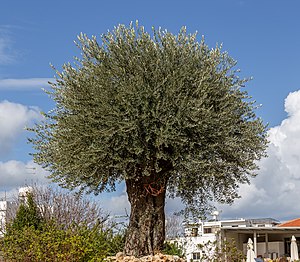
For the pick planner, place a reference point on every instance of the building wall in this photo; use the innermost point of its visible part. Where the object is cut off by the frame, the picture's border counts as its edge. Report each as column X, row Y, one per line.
column 199, row 244
column 275, row 249
column 6, row 208
column 3, row 209
column 240, row 230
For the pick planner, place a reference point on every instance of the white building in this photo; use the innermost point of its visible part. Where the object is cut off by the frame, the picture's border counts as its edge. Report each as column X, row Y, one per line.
column 271, row 239
column 202, row 236
column 7, row 206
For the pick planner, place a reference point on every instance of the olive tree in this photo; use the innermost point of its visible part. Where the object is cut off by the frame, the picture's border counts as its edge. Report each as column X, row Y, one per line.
column 162, row 112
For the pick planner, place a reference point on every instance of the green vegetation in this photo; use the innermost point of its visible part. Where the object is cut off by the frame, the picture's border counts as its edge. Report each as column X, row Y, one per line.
column 52, row 243
column 173, row 249
column 162, row 112
column 27, row 215
column 32, row 237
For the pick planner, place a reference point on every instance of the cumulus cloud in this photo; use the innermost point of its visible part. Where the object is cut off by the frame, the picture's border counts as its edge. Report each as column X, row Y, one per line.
column 13, row 119
column 15, row 174
column 275, row 192
column 117, row 205
column 24, row 84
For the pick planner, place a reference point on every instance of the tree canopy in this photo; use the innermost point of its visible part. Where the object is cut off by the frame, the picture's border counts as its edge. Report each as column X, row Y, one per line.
column 27, row 215
column 163, row 112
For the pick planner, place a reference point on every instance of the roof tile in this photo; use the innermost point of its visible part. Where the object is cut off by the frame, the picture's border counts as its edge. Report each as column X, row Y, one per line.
column 291, row 223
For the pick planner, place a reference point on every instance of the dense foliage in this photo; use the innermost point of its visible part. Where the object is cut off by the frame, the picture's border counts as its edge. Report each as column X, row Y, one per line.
column 28, row 215
column 52, row 243
column 135, row 105
column 163, row 112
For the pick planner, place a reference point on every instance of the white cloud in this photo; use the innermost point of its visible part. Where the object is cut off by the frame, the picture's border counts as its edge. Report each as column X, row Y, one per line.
column 275, row 192
column 116, row 205
column 16, row 173
column 292, row 105
column 24, row 84
column 13, row 119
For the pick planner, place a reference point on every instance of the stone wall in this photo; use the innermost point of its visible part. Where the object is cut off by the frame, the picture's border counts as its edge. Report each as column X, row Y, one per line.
column 120, row 257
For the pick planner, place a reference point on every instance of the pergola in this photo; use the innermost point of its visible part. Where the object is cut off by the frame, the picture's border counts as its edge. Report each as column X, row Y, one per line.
column 266, row 235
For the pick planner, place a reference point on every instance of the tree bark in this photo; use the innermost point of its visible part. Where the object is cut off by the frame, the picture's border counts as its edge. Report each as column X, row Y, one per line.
column 146, row 230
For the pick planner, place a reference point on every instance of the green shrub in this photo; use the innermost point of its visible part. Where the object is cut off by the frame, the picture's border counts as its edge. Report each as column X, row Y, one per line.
column 173, row 249
column 28, row 215
column 77, row 243
column 33, row 237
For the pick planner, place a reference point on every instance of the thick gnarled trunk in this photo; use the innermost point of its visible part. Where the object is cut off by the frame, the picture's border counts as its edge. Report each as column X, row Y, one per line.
column 146, row 231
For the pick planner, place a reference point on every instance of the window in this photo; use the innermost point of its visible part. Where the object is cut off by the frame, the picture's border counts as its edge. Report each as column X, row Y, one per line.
column 194, row 231
column 207, row 230
column 196, row 256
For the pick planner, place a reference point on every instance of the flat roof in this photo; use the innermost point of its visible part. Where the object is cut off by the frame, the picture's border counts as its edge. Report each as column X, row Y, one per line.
column 261, row 229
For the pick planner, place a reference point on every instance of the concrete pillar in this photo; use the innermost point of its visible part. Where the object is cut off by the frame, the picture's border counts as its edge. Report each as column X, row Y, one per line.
column 255, row 243
column 267, row 244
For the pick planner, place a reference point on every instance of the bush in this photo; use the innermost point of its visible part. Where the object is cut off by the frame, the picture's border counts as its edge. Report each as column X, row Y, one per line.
column 173, row 249
column 55, row 244
column 28, row 215
column 36, row 234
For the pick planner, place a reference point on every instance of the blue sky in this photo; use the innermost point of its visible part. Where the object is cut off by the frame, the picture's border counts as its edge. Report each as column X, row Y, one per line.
column 262, row 35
